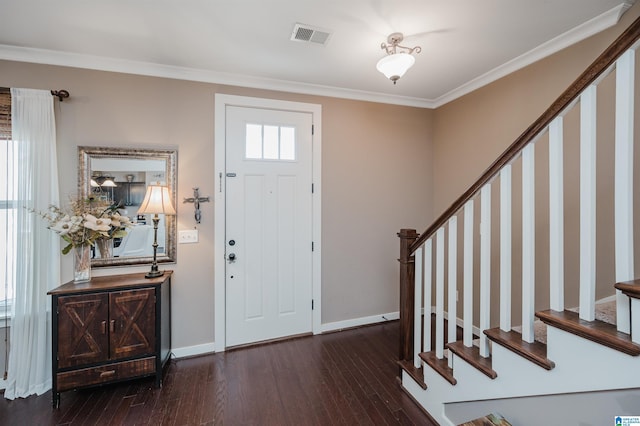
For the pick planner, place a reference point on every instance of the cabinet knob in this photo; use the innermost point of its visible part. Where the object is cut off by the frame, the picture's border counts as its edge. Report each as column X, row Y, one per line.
column 103, row 326
column 112, row 326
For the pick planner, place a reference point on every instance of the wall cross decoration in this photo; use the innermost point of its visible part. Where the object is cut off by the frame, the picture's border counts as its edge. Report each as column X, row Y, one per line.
column 196, row 200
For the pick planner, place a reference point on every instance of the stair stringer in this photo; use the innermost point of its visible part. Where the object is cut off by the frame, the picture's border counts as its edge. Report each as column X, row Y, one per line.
column 581, row 366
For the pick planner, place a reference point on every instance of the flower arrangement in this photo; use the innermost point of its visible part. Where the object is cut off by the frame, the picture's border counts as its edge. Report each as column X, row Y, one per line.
column 86, row 221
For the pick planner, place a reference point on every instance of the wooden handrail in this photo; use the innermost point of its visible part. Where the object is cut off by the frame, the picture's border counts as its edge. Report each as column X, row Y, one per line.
column 624, row 42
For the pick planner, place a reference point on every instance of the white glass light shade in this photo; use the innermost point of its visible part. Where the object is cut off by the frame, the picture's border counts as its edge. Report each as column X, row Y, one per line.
column 109, row 183
column 394, row 66
column 157, row 200
column 94, row 184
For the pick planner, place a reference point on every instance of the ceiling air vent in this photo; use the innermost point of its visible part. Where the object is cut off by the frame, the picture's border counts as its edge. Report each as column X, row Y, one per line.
column 309, row 34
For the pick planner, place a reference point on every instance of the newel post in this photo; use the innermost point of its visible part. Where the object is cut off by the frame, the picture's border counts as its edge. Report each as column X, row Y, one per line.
column 407, row 292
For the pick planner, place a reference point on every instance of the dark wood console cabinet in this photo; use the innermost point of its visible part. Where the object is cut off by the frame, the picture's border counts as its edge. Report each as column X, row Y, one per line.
column 110, row 329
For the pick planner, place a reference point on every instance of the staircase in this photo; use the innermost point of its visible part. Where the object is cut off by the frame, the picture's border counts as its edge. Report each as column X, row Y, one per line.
column 501, row 270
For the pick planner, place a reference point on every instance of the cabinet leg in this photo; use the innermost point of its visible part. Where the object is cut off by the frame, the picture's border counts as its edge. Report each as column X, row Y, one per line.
column 55, row 396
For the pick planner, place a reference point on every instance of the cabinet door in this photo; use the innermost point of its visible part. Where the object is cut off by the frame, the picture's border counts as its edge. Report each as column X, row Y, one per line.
column 82, row 329
column 132, row 323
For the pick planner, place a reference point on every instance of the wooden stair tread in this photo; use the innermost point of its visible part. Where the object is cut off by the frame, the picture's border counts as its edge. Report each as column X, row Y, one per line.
column 441, row 366
column 473, row 357
column 416, row 374
column 597, row 331
column 630, row 288
column 535, row 352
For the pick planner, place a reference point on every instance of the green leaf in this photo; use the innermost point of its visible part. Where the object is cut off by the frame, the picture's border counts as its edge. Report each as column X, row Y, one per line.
column 67, row 249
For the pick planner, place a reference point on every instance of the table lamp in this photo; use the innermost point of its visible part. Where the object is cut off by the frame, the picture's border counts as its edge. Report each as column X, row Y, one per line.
column 156, row 201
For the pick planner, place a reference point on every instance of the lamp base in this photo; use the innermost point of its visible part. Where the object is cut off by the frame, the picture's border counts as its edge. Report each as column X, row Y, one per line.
column 154, row 274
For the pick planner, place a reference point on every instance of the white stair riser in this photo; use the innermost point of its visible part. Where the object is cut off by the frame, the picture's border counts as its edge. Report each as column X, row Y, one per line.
column 581, row 366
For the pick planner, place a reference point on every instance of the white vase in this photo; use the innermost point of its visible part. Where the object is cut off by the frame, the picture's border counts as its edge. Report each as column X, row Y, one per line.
column 81, row 263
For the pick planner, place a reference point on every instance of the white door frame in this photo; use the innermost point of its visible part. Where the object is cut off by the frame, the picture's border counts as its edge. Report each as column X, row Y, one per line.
column 221, row 102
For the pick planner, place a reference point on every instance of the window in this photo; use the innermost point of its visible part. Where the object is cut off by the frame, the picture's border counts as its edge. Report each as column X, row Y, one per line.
column 8, row 192
column 270, row 142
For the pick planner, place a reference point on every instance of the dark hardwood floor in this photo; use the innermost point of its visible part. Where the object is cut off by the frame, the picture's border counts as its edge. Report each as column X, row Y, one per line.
column 344, row 378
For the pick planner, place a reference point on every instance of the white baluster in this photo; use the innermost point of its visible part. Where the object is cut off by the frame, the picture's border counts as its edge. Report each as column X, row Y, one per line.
column 452, row 281
column 528, row 242
column 625, row 74
column 485, row 267
column 428, row 259
column 556, row 215
column 588, row 203
column 468, row 275
column 440, row 293
column 417, row 316
column 635, row 324
column 505, row 248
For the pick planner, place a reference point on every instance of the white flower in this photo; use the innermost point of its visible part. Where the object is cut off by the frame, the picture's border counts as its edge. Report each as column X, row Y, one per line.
column 125, row 221
column 63, row 226
column 117, row 221
column 77, row 222
column 85, row 222
column 97, row 224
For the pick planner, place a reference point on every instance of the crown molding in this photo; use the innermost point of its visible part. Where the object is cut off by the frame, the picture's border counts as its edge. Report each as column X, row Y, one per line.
column 573, row 36
column 100, row 63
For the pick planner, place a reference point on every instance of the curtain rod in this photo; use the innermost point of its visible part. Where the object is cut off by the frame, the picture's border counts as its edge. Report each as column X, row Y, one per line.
column 60, row 94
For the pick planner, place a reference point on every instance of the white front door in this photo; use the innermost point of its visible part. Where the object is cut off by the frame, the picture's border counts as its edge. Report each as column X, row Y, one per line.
column 268, row 224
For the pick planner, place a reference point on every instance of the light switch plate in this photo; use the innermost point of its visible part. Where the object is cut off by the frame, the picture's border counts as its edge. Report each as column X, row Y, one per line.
column 188, row 236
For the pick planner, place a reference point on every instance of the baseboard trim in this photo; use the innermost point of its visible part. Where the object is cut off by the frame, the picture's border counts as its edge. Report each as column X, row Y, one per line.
column 459, row 321
column 607, row 299
column 357, row 322
column 207, row 348
column 189, row 351
column 3, row 384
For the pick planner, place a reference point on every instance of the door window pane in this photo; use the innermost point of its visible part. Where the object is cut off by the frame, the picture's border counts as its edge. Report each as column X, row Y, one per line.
column 253, row 145
column 287, row 143
column 270, row 142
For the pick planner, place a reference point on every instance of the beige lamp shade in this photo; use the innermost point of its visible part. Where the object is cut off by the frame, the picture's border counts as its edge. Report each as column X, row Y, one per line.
column 157, row 201
column 109, row 183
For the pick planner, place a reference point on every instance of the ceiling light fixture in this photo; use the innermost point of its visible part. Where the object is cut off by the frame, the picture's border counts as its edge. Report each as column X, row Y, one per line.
column 399, row 58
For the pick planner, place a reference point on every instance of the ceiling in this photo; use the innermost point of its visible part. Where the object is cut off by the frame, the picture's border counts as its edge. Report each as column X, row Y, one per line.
column 465, row 43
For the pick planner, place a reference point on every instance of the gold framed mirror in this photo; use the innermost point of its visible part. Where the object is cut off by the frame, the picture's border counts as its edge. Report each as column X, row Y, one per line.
column 121, row 175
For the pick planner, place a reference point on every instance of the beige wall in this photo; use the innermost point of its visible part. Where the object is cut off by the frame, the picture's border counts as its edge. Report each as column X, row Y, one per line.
column 475, row 129
column 472, row 131
column 375, row 159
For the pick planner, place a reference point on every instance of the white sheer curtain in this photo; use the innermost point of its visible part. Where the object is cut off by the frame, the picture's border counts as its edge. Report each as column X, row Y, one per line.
column 38, row 249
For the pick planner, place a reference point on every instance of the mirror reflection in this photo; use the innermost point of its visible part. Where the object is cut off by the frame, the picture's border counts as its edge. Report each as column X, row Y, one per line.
column 120, row 177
